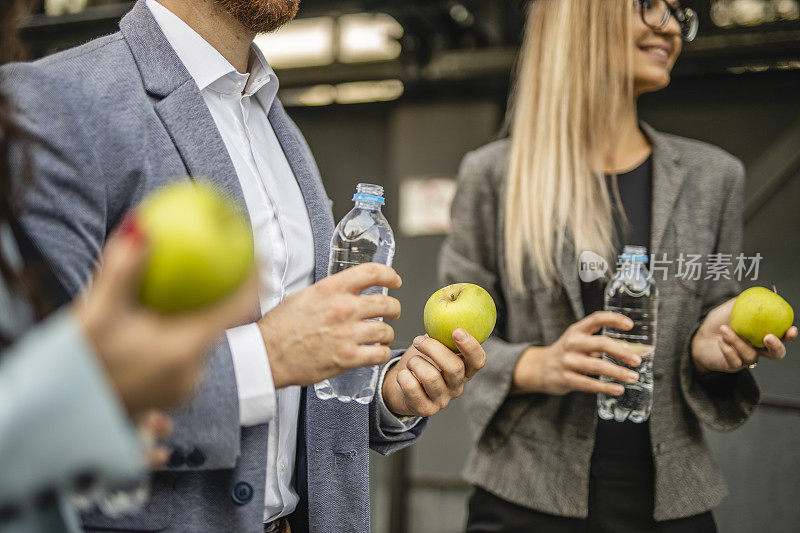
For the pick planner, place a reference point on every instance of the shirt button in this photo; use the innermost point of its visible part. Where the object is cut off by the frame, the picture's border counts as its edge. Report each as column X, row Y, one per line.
column 282, row 465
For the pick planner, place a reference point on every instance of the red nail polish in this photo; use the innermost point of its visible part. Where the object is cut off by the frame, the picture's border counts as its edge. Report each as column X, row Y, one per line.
column 129, row 228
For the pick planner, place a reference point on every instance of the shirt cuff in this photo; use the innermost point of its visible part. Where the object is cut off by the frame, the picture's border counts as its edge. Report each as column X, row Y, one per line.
column 388, row 421
column 257, row 397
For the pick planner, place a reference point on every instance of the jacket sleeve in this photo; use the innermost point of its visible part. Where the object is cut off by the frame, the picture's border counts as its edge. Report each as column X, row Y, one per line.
column 469, row 255
column 60, row 419
column 723, row 401
column 65, row 212
column 387, row 436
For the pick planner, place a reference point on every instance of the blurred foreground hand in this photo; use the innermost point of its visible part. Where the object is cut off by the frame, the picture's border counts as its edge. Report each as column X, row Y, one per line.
column 153, row 361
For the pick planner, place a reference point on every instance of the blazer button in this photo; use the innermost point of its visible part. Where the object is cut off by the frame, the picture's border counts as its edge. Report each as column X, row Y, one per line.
column 176, row 459
column 242, row 493
column 195, row 458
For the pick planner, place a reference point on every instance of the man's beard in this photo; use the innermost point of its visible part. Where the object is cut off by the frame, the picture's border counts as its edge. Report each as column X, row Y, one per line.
column 260, row 16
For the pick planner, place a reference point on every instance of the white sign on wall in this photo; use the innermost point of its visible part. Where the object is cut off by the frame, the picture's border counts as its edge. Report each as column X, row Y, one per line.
column 425, row 205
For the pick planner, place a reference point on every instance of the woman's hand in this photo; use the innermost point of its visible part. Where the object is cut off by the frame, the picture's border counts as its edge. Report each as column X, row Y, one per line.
column 716, row 348
column 154, row 361
column 568, row 364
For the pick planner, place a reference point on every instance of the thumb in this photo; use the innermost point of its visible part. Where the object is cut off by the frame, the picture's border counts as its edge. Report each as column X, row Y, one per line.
column 240, row 307
column 123, row 261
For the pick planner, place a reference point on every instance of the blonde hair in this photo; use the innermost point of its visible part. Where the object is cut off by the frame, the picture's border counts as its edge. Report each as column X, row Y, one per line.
column 574, row 79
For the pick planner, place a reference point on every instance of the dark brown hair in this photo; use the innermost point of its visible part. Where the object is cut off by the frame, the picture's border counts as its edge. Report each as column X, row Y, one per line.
column 12, row 139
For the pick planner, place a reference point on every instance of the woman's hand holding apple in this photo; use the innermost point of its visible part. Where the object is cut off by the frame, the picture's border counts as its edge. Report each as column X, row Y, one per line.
column 716, row 348
column 568, row 364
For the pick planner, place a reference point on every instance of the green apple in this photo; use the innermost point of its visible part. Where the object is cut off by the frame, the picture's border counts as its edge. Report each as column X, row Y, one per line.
column 759, row 312
column 464, row 306
column 201, row 247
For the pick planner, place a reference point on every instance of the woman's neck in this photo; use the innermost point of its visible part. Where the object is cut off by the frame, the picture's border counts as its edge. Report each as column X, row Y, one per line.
column 630, row 147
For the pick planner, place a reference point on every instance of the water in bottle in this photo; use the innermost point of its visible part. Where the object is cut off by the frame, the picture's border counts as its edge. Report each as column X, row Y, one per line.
column 632, row 293
column 363, row 236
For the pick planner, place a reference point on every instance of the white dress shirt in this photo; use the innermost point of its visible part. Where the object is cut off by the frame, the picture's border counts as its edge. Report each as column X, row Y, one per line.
column 284, row 243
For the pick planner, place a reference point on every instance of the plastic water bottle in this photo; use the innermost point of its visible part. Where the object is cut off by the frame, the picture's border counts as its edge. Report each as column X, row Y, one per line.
column 363, row 236
column 632, row 293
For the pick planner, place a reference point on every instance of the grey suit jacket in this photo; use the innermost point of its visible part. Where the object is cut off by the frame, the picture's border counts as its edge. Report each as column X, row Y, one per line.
column 114, row 119
column 535, row 450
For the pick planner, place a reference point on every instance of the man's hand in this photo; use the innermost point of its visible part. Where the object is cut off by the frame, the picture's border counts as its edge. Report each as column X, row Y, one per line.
column 716, row 348
column 429, row 375
column 321, row 331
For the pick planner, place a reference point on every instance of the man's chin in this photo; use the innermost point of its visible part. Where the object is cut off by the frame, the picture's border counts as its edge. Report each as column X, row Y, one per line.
column 261, row 16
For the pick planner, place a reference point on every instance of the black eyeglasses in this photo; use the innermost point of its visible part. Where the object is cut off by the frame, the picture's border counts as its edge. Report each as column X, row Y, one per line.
column 656, row 14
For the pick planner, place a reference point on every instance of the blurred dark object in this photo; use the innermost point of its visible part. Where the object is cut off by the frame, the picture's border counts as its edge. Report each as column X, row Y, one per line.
column 12, row 14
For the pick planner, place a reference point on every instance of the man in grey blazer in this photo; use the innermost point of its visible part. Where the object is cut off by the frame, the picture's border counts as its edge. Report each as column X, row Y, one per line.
column 180, row 90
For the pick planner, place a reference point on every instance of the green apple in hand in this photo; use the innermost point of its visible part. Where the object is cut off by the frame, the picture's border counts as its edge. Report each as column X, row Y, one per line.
column 464, row 306
column 201, row 247
column 759, row 312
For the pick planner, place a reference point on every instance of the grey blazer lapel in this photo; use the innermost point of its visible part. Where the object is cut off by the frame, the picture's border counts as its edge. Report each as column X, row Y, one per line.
column 179, row 104
column 307, row 175
column 668, row 178
column 568, row 269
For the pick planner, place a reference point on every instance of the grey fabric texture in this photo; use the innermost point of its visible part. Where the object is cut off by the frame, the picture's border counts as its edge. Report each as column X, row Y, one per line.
column 534, row 450
column 113, row 120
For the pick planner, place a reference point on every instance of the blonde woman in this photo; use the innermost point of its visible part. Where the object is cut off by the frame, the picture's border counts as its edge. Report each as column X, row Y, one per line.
column 581, row 173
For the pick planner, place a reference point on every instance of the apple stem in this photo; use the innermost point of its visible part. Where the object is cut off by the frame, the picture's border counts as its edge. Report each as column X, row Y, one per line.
column 774, row 289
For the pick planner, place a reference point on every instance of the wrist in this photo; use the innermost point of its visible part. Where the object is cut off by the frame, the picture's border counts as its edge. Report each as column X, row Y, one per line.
column 391, row 394
column 92, row 326
column 699, row 367
column 280, row 379
column 524, row 377
column 88, row 321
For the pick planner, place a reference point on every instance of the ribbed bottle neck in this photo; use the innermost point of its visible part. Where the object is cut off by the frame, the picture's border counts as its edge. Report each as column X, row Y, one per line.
column 369, row 196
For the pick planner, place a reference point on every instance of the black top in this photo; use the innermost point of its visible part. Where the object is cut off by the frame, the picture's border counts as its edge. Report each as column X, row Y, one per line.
column 625, row 440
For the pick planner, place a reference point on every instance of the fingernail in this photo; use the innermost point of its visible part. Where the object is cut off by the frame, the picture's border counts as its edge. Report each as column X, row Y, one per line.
column 772, row 340
column 629, row 323
column 129, row 228
column 418, row 340
column 637, row 360
column 460, row 335
column 633, row 377
column 620, row 390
